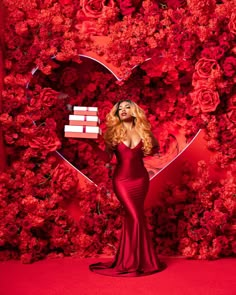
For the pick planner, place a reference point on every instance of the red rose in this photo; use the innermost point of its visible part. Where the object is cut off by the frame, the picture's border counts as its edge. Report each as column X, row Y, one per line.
column 156, row 66
column 17, row 15
column 207, row 99
column 36, row 220
column 51, row 123
column 128, row 6
column 232, row 23
column 87, row 27
column 202, row 8
column 30, row 203
column 26, row 258
column 10, row 137
column 65, row 178
column 171, row 77
column 176, row 15
column 176, row 31
column 69, row 76
column 84, row 240
column 229, row 66
column 21, row 28
column 11, row 230
column 204, row 252
column 202, row 233
column 34, row 51
column 207, row 68
column 213, row 52
column 232, row 116
column 48, row 96
column 17, row 54
column 224, row 41
column 13, row 42
column 95, row 8
column 44, row 139
column 202, row 83
column 187, row 247
column 6, row 119
column 232, row 102
column 188, row 48
column 175, row 3
column 26, row 223
column 57, row 231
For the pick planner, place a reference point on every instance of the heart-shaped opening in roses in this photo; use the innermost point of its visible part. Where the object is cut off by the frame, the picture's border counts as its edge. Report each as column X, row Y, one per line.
column 88, row 83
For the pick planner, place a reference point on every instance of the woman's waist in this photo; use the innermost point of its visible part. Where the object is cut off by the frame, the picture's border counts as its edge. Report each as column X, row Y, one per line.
column 137, row 171
column 130, row 165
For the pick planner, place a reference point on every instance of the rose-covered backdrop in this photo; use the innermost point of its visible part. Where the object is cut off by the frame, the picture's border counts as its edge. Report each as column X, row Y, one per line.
column 189, row 83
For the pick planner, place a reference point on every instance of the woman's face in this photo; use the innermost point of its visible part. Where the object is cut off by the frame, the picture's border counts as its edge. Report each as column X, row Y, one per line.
column 124, row 111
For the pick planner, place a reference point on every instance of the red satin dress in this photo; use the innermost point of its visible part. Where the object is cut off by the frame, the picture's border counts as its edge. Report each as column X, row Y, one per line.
column 135, row 255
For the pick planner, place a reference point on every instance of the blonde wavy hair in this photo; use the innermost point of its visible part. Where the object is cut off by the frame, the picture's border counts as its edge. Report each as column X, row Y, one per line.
column 115, row 131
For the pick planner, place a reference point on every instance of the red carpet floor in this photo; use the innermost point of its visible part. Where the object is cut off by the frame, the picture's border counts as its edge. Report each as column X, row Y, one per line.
column 70, row 276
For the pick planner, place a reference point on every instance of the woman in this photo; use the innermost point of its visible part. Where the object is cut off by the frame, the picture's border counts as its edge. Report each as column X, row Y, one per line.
column 129, row 137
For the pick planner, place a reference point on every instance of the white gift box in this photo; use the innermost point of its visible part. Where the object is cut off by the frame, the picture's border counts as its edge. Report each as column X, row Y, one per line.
column 83, row 120
column 82, row 131
column 81, row 110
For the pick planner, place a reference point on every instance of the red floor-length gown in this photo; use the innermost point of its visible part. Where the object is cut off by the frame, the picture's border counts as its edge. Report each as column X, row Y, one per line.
column 135, row 255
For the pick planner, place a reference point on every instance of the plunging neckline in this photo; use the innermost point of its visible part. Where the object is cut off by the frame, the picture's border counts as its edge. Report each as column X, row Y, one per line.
column 130, row 147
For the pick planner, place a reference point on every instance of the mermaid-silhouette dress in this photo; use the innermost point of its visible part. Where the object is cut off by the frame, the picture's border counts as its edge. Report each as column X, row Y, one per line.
column 135, row 255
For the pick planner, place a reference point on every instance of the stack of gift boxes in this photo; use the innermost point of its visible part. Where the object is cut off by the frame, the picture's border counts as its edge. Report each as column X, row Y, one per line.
column 84, row 123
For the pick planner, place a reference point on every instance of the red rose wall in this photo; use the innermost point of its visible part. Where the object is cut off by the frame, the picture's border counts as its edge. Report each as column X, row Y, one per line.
column 188, row 83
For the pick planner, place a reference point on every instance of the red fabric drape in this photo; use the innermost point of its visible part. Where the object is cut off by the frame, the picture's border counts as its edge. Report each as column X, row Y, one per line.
column 2, row 151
